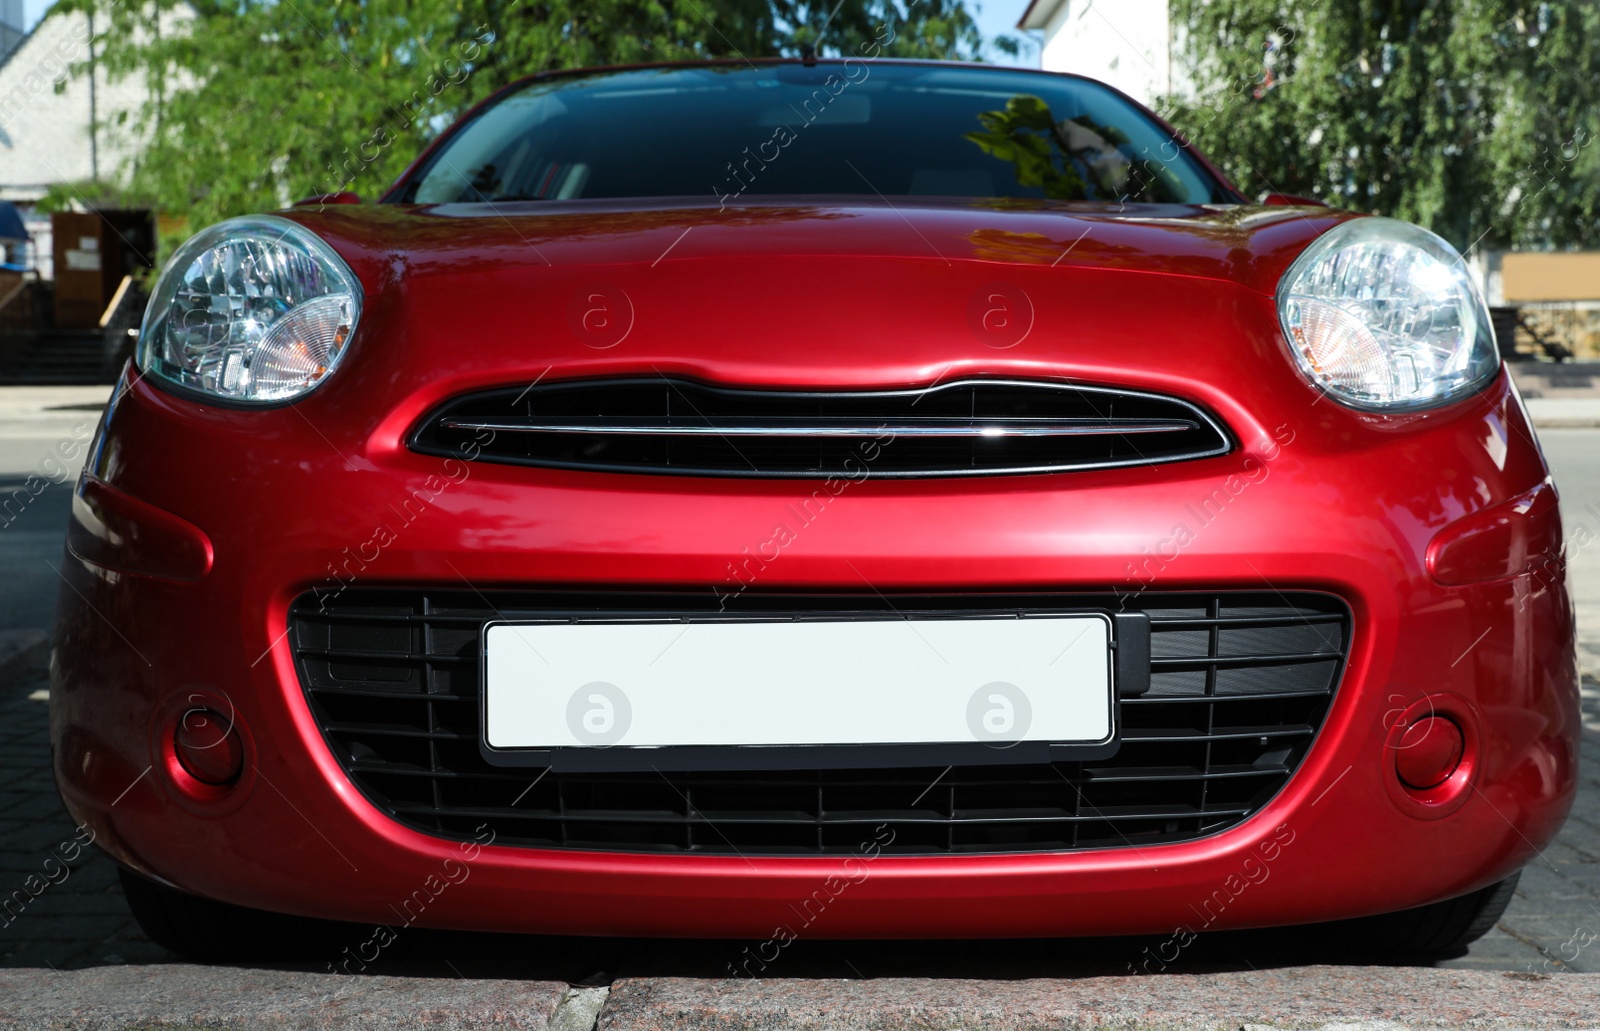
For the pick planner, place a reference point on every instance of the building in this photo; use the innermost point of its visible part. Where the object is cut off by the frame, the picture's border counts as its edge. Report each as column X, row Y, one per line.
column 1556, row 293
column 50, row 137
column 1127, row 44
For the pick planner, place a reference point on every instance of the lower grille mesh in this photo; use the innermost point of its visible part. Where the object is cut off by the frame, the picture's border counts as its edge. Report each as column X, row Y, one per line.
column 1240, row 684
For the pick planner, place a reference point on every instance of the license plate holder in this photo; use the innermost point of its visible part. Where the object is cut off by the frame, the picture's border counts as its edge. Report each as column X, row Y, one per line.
column 808, row 691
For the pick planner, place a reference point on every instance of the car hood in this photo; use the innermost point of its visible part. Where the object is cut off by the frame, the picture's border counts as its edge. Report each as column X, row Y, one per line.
column 1245, row 244
column 851, row 294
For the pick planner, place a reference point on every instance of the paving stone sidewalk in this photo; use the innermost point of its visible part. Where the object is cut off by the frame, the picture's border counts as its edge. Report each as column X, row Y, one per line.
column 79, row 918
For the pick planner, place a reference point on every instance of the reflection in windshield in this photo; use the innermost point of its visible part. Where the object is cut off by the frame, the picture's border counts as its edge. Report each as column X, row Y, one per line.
column 734, row 133
column 1070, row 159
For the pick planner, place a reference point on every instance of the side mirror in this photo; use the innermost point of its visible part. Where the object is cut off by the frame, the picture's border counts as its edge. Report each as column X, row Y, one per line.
column 322, row 199
column 1291, row 200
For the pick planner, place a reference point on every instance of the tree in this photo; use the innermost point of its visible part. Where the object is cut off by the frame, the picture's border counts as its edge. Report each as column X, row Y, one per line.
column 254, row 103
column 1475, row 118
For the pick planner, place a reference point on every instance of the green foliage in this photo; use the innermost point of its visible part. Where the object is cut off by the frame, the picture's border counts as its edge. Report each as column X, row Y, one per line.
column 1071, row 159
column 256, row 103
column 1025, row 135
column 88, row 193
column 1475, row 118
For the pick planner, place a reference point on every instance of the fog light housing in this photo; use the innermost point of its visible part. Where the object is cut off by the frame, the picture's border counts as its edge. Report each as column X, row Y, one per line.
column 1429, row 753
column 208, row 747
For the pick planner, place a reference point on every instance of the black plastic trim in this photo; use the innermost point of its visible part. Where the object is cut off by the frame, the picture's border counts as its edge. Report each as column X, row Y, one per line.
column 1191, row 764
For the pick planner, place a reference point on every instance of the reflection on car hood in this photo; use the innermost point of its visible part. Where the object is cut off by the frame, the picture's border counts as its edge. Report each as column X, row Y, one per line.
column 848, row 293
column 1245, row 244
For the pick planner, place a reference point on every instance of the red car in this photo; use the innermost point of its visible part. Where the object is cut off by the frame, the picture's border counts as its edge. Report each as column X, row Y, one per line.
column 815, row 499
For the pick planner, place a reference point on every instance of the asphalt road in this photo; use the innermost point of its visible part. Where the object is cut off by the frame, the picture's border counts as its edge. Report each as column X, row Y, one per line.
column 82, row 921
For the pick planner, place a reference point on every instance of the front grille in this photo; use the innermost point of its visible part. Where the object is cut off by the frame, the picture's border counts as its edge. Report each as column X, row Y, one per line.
column 1240, row 684
column 972, row 428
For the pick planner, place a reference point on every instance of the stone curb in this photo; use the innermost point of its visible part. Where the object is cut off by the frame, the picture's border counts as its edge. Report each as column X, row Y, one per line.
column 1566, row 424
column 1550, row 413
column 181, row 996
column 1301, row 997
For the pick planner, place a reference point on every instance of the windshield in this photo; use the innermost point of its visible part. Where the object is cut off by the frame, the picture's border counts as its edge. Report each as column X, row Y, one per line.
column 856, row 127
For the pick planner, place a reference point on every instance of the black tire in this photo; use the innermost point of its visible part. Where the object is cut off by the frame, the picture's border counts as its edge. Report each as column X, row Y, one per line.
column 208, row 931
column 1443, row 927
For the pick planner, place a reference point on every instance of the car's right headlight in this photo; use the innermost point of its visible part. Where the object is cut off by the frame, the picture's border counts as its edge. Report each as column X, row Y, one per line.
column 252, row 310
column 1384, row 316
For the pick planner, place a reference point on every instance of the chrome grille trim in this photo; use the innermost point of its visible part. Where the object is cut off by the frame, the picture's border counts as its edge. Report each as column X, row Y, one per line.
column 793, row 428
column 971, row 427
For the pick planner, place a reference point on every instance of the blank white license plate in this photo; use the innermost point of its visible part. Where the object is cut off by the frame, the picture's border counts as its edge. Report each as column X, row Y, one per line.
column 633, row 687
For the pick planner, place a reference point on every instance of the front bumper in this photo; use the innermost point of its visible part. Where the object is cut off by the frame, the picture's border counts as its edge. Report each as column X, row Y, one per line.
column 285, row 505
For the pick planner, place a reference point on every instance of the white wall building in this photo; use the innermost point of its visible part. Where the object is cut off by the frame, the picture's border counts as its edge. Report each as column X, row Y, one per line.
column 45, row 136
column 49, row 137
column 1127, row 44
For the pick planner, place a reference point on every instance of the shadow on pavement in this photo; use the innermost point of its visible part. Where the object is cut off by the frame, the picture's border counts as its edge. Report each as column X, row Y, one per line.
column 600, row 961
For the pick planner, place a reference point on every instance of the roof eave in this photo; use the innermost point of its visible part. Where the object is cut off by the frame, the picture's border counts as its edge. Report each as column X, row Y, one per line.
column 1039, row 14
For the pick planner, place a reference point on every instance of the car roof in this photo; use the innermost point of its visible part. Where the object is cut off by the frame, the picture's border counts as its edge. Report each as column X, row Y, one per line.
column 758, row 62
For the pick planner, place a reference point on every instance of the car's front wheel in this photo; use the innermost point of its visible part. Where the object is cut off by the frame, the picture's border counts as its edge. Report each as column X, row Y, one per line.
column 208, row 931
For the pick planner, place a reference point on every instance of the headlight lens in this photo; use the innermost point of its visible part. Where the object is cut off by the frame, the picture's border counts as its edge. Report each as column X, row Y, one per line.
column 252, row 309
column 1383, row 315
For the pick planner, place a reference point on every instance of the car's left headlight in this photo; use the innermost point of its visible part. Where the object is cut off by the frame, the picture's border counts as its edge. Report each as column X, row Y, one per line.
column 255, row 309
column 1384, row 316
